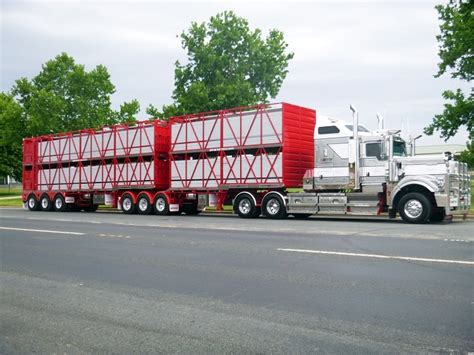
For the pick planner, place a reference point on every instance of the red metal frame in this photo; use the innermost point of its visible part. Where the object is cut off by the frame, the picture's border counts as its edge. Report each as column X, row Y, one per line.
column 228, row 150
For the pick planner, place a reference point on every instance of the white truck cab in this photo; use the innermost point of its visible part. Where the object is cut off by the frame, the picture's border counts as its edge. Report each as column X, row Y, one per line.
column 361, row 171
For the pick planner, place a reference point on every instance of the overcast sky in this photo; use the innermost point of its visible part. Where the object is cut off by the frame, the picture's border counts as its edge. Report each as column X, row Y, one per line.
column 379, row 56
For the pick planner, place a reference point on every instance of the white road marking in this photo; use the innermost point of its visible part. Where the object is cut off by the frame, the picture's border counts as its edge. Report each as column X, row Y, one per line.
column 40, row 231
column 377, row 256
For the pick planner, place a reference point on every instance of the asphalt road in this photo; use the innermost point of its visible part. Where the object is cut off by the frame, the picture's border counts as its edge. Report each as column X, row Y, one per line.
column 106, row 282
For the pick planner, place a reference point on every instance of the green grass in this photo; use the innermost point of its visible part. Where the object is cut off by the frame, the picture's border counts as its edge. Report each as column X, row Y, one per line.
column 13, row 191
column 12, row 202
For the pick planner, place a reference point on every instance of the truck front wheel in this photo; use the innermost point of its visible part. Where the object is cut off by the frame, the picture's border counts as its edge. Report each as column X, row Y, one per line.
column 414, row 207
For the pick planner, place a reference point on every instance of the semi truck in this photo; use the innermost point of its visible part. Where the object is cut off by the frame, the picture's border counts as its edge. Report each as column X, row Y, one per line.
column 275, row 160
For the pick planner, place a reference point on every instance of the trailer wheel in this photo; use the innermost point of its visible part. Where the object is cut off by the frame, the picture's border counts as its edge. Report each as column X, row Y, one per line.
column 126, row 202
column 273, row 206
column 33, row 204
column 414, row 207
column 160, row 205
column 45, row 203
column 245, row 207
column 59, row 204
column 143, row 205
column 91, row 208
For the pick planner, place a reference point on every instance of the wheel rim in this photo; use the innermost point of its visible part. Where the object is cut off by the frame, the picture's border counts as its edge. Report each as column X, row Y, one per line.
column 31, row 202
column 160, row 204
column 273, row 206
column 143, row 204
column 245, row 206
column 58, row 203
column 44, row 202
column 127, row 204
column 413, row 208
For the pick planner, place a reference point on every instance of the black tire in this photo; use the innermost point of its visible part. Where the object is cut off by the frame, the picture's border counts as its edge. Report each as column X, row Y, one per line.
column 191, row 209
column 302, row 215
column 45, row 203
column 143, row 205
column 273, row 206
column 127, row 205
column 414, row 207
column 32, row 202
column 245, row 207
column 91, row 208
column 160, row 205
column 59, row 203
column 437, row 215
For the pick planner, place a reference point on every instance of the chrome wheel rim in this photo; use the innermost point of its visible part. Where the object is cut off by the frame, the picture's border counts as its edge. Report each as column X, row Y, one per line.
column 160, row 204
column 244, row 206
column 127, row 204
column 31, row 202
column 413, row 208
column 58, row 203
column 273, row 206
column 44, row 202
column 143, row 204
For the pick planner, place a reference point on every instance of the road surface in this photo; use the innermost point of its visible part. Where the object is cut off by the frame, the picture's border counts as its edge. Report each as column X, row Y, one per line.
column 107, row 282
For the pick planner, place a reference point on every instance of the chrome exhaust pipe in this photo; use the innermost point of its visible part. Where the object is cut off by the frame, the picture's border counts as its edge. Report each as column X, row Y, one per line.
column 355, row 131
column 380, row 121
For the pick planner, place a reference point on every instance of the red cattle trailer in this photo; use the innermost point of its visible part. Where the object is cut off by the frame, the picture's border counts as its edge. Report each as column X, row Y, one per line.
column 241, row 155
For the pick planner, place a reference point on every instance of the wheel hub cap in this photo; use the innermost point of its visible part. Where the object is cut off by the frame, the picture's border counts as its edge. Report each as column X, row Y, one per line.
column 244, row 206
column 413, row 208
column 127, row 204
column 44, row 203
column 143, row 204
column 58, row 203
column 273, row 206
column 160, row 204
column 31, row 202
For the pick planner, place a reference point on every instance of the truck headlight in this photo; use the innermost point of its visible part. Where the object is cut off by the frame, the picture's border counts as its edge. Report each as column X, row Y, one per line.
column 440, row 183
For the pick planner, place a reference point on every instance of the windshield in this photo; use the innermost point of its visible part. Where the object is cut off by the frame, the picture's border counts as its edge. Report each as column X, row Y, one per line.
column 361, row 128
column 399, row 149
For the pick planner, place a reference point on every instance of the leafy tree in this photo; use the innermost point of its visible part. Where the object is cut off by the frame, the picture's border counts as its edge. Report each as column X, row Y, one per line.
column 228, row 65
column 456, row 51
column 62, row 97
column 65, row 97
column 12, row 130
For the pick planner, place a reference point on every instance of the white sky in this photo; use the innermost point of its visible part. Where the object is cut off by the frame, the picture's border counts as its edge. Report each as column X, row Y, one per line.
column 379, row 56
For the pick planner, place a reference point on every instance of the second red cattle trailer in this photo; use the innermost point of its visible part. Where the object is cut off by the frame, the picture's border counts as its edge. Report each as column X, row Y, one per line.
column 240, row 156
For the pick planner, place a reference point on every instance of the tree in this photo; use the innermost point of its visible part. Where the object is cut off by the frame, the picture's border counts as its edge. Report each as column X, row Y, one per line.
column 456, row 51
column 228, row 65
column 12, row 130
column 65, row 97
column 62, row 97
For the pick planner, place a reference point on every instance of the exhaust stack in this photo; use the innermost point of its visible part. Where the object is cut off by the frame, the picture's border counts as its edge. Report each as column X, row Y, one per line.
column 355, row 131
column 380, row 121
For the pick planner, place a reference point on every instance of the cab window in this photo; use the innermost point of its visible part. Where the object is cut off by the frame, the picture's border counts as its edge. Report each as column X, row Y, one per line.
column 373, row 150
column 328, row 130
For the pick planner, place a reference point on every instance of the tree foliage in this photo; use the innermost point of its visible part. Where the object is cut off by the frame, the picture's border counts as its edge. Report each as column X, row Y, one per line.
column 64, row 96
column 456, row 52
column 12, row 130
column 228, row 65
